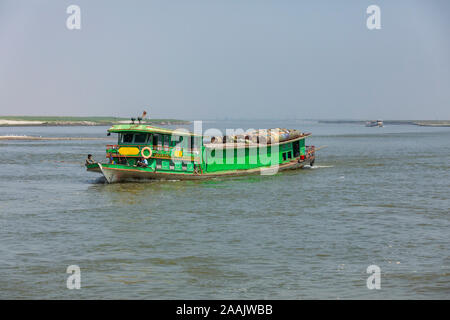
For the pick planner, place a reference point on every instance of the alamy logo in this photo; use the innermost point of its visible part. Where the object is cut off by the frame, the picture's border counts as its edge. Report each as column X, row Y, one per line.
column 74, row 280
column 73, row 22
column 374, row 20
column 374, row 280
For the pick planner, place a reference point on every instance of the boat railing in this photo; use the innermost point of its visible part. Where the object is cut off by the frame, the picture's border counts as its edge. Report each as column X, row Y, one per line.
column 154, row 147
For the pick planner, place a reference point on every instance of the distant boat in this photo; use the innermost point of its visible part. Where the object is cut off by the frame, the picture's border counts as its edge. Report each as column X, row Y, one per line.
column 374, row 123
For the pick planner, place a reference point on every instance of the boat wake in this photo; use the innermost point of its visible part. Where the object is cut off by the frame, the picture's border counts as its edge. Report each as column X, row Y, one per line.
column 307, row 166
column 99, row 180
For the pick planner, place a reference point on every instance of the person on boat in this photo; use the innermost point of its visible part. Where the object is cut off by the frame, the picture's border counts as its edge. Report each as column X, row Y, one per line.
column 142, row 162
column 89, row 159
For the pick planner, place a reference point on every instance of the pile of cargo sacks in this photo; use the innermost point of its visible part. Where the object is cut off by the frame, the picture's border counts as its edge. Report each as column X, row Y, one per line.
column 263, row 136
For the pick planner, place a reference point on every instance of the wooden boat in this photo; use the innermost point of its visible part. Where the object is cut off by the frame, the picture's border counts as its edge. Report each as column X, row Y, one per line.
column 374, row 123
column 182, row 155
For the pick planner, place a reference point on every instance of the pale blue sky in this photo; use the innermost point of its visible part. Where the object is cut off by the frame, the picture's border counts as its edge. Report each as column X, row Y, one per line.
column 235, row 58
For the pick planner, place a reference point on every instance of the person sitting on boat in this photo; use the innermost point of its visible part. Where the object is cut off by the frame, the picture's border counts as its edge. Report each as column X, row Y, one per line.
column 142, row 162
column 89, row 159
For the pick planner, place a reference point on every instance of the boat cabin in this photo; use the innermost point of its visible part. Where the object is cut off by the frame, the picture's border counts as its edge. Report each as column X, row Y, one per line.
column 163, row 148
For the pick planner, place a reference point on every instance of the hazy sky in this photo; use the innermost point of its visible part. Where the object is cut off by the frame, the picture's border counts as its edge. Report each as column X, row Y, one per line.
column 231, row 58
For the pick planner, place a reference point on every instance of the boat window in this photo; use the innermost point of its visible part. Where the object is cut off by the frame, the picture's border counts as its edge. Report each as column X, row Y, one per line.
column 284, row 156
column 289, row 155
column 140, row 138
column 173, row 140
column 181, row 142
column 166, row 141
column 156, row 139
column 127, row 138
column 296, row 148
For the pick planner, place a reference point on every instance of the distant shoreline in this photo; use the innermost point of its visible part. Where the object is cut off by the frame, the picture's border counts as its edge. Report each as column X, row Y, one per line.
column 30, row 121
column 47, row 138
column 422, row 123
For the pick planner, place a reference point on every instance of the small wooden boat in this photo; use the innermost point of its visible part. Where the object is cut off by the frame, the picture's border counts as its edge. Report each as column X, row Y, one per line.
column 181, row 155
column 374, row 123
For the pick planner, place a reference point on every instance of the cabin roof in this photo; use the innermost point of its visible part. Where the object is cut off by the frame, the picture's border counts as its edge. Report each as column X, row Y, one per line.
column 118, row 128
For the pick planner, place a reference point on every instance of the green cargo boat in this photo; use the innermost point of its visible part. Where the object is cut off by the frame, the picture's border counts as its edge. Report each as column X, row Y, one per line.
column 146, row 152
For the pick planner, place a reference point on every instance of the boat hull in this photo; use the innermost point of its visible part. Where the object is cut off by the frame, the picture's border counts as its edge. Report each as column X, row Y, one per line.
column 116, row 173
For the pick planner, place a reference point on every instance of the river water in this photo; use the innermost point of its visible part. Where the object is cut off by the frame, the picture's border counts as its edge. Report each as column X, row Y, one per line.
column 376, row 196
